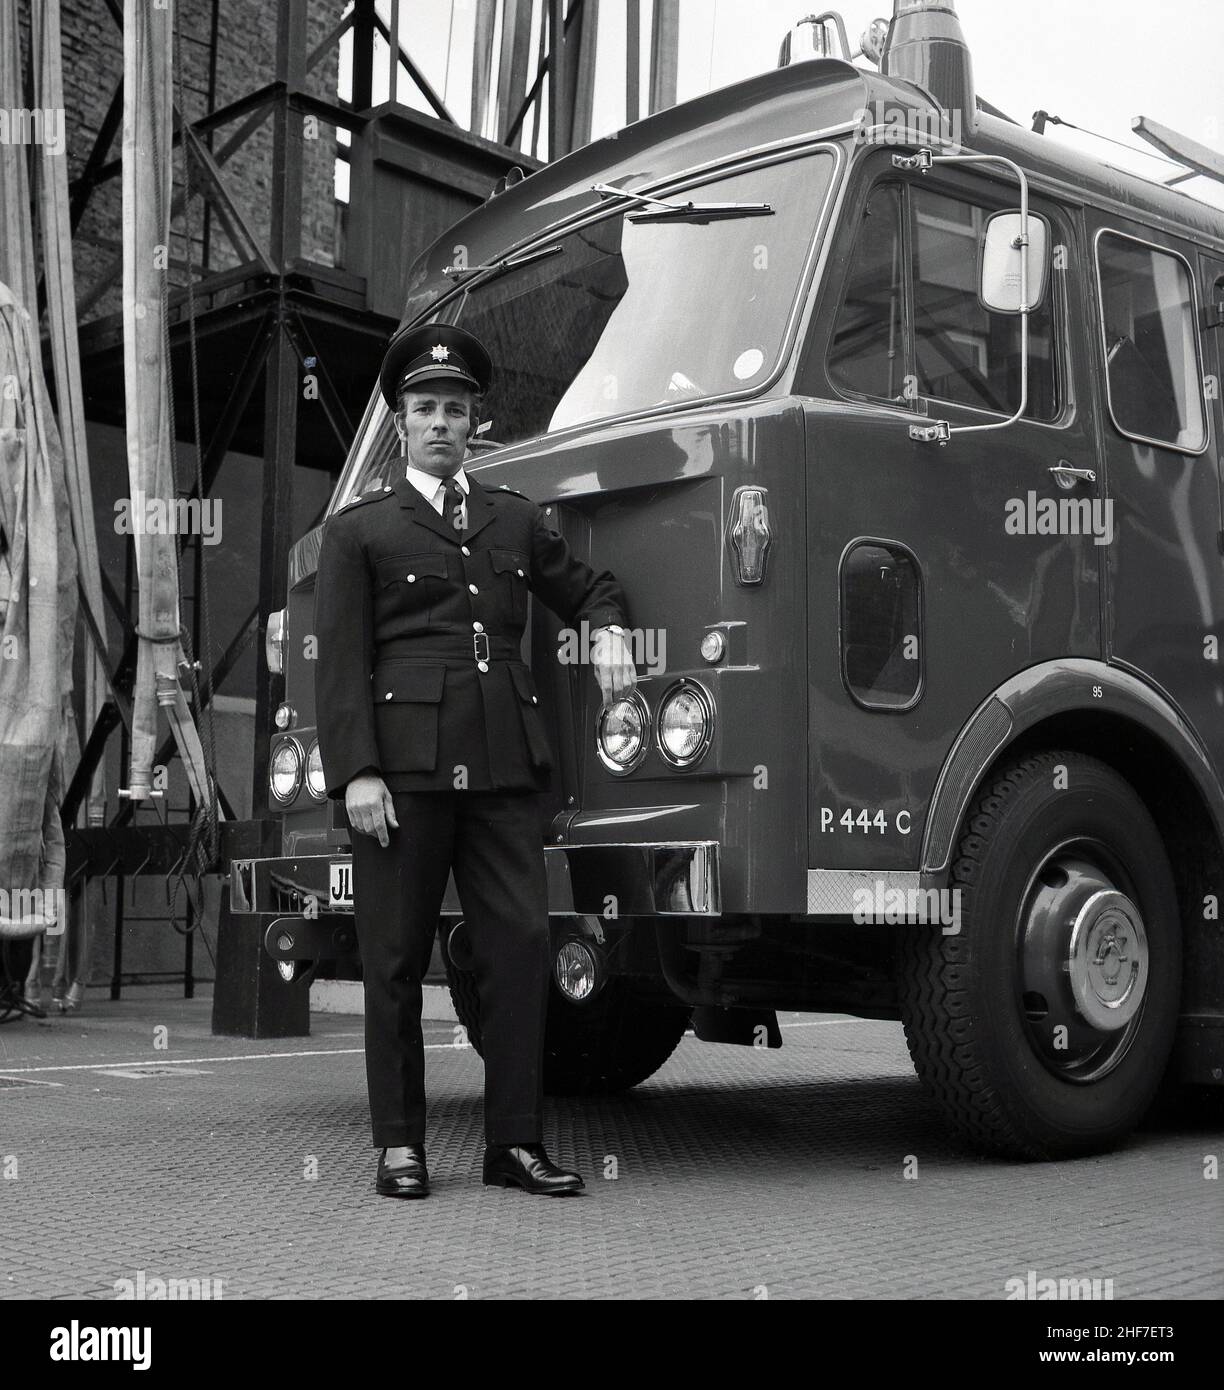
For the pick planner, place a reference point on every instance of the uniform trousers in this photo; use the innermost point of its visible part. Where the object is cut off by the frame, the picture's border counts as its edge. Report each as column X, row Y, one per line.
column 492, row 840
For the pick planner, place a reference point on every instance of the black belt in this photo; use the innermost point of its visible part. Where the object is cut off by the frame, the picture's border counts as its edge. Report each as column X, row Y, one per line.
column 478, row 647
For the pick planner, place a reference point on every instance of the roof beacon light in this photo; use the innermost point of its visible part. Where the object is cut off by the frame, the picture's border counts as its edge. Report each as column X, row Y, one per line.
column 926, row 46
column 813, row 37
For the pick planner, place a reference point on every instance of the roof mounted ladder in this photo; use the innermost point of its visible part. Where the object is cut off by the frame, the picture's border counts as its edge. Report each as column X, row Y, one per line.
column 1196, row 157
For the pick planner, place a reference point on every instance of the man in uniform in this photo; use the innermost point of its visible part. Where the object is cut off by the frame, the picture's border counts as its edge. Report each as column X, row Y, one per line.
column 431, row 731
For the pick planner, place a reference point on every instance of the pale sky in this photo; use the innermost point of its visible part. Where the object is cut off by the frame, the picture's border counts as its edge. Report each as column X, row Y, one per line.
column 1094, row 62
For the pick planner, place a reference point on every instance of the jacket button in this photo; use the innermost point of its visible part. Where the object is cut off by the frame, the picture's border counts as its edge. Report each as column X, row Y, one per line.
column 412, row 579
column 465, row 550
column 387, row 696
column 473, row 589
column 478, row 627
column 519, row 573
column 482, row 665
column 535, row 700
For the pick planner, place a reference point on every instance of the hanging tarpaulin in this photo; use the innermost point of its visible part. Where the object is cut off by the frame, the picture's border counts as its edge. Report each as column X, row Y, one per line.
column 147, row 133
column 37, row 561
column 38, row 609
column 62, row 322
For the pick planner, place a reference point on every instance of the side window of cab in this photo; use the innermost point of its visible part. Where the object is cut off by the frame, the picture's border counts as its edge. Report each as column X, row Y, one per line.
column 1153, row 375
column 911, row 326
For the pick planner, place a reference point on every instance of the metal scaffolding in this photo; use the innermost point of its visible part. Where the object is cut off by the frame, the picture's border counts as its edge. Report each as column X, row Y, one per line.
column 276, row 309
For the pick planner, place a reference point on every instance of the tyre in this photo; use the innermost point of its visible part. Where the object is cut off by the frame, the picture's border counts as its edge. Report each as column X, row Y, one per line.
column 607, row 1045
column 1043, row 1024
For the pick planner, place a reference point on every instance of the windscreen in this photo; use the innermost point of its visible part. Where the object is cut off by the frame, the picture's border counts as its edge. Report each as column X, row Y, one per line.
column 631, row 315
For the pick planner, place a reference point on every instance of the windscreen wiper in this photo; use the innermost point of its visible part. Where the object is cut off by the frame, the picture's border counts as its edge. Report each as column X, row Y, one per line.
column 668, row 210
column 501, row 266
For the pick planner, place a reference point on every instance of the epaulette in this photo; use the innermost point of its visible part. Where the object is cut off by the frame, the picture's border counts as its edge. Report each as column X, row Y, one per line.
column 376, row 496
column 514, row 491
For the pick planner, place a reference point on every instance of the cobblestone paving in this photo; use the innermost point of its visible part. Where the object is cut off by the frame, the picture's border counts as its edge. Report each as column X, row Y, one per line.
column 731, row 1173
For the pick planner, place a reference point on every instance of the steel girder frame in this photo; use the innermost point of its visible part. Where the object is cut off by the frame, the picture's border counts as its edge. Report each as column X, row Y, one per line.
column 281, row 314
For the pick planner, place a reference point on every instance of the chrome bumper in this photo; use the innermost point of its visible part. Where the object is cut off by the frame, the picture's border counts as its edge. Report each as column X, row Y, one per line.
column 646, row 880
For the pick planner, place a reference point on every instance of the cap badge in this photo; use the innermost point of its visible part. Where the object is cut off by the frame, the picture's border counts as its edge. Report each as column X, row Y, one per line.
column 439, row 353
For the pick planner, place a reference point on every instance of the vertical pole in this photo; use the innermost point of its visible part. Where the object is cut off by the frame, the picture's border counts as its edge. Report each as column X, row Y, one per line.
column 280, row 379
column 189, row 953
column 512, row 69
column 363, row 56
column 586, row 52
column 541, row 58
column 664, row 42
column 359, row 231
column 286, row 230
column 117, row 963
column 558, row 86
column 633, row 60
column 482, row 64
column 393, row 84
column 210, row 138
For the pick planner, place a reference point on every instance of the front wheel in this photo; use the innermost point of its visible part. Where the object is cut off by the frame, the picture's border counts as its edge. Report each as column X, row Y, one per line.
column 1043, row 1020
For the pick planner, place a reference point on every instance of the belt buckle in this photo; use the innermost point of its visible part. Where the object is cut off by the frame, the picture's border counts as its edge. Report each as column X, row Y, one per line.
column 477, row 639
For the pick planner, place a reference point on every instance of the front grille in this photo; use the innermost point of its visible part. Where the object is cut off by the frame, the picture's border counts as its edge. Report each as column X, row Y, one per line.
column 288, row 900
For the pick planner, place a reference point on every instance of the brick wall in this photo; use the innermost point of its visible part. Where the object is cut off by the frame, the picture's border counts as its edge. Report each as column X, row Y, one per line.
column 245, row 60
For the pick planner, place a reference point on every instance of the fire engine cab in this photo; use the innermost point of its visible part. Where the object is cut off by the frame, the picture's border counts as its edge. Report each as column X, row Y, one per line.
column 900, row 423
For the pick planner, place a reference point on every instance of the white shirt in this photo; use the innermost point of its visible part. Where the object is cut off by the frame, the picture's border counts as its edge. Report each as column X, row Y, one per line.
column 433, row 490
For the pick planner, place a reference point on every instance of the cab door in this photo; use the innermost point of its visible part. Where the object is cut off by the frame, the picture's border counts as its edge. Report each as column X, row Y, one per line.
column 1165, row 580
column 931, row 579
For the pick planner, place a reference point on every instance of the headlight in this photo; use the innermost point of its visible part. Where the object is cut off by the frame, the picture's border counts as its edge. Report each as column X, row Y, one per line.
column 274, row 641
column 285, row 770
column 620, row 738
column 686, row 724
column 315, row 783
column 577, row 970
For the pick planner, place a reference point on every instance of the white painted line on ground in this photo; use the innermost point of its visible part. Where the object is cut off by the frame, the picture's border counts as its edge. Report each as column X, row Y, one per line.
column 140, row 1073
column 196, row 1061
column 321, row 1052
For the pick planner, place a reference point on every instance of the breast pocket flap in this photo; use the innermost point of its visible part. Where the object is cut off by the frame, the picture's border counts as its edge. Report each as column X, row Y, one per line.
column 508, row 562
column 401, row 569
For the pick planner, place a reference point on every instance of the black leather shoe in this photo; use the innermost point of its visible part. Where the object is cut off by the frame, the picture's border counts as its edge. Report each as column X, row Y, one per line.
column 527, row 1166
column 408, row 1179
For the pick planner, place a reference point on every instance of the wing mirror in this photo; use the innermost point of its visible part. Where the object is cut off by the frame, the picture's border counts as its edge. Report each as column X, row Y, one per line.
column 1005, row 248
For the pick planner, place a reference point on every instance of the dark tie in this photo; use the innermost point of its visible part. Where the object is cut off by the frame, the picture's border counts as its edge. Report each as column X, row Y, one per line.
column 452, row 506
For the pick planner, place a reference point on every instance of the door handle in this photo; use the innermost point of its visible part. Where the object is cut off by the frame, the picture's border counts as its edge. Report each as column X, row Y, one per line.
column 1067, row 477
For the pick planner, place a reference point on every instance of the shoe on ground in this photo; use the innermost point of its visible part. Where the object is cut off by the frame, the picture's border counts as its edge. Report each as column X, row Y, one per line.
column 407, row 1179
column 527, row 1166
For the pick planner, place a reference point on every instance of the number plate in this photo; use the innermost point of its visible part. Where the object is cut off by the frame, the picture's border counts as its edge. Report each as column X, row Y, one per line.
column 340, row 886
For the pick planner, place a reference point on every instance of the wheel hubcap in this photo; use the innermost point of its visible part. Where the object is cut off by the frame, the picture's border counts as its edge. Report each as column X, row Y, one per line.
column 1108, row 961
column 1084, row 963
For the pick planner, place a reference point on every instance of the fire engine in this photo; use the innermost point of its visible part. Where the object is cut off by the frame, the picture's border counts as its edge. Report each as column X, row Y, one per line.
column 900, row 424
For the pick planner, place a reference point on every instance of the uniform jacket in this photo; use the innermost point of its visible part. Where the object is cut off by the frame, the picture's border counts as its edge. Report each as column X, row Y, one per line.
column 418, row 668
